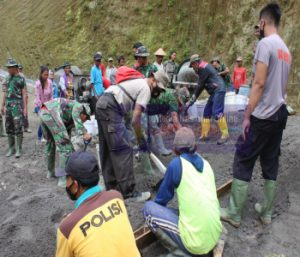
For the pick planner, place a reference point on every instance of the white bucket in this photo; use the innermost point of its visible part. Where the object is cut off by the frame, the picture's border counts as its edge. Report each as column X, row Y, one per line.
column 233, row 103
column 91, row 126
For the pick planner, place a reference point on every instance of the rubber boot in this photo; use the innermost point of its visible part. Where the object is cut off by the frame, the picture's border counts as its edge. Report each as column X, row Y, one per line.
column 2, row 134
column 51, row 165
column 161, row 146
column 19, row 145
column 11, row 145
column 146, row 164
column 265, row 209
column 238, row 197
column 169, row 244
column 62, row 181
column 224, row 131
column 205, row 127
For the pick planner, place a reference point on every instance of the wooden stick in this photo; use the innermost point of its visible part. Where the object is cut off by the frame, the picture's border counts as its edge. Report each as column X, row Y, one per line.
column 144, row 236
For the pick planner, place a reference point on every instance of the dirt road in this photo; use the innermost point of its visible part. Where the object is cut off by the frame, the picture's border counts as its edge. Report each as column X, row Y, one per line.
column 31, row 206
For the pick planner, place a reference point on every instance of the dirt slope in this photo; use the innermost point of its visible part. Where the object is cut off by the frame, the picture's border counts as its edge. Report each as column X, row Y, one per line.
column 51, row 31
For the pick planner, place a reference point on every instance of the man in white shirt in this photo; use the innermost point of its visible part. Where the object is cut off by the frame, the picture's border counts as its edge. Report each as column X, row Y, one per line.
column 116, row 153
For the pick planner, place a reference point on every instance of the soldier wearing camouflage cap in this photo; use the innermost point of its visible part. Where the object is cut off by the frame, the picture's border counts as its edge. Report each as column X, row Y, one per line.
column 142, row 65
column 59, row 117
column 14, row 107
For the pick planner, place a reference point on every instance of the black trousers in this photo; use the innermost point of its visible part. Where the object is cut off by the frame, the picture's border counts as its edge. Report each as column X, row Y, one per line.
column 263, row 141
column 115, row 151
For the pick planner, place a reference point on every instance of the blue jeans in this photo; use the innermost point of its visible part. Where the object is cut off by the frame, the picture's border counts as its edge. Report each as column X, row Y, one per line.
column 215, row 105
column 40, row 133
column 166, row 219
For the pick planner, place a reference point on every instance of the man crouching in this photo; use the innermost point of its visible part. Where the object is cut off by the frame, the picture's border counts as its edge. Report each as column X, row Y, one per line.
column 195, row 228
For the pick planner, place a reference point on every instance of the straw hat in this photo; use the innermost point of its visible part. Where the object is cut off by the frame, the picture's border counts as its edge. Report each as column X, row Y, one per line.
column 160, row 52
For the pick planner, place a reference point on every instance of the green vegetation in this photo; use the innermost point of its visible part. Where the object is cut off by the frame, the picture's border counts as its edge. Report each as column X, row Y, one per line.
column 52, row 31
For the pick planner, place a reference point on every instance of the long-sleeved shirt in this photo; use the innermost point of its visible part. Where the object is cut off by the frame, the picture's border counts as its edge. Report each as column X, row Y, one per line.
column 172, row 177
column 208, row 79
column 43, row 95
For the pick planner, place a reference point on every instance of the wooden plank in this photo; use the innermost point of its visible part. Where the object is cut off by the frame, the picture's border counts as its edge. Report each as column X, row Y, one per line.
column 144, row 236
column 224, row 188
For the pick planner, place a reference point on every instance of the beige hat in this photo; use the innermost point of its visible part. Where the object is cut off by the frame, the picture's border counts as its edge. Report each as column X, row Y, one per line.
column 239, row 59
column 184, row 138
column 160, row 52
column 161, row 78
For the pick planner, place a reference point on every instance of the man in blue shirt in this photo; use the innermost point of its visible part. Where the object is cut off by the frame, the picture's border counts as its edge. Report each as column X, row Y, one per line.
column 195, row 227
column 96, row 77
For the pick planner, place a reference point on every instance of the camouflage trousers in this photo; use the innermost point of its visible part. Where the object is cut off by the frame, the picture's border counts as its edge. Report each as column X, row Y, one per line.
column 57, row 137
column 14, row 118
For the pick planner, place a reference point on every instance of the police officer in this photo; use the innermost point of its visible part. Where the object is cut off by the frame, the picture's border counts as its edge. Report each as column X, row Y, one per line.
column 99, row 225
column 58, row 117
column 14, row 106
column 209, row 80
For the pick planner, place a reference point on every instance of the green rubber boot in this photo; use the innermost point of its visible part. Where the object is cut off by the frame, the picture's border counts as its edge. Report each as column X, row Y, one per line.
column 62, row 181
column 239, row 192
column 11, row 145
column 265, row 209
column 2, row 134
column 146, row 164
column 51, row 165
column 19, row 145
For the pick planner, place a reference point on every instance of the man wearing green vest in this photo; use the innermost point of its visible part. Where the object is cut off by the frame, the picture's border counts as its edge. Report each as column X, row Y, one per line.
column 194, row 229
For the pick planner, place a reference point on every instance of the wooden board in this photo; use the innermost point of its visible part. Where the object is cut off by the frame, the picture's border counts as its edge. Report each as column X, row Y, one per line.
column 144, row 236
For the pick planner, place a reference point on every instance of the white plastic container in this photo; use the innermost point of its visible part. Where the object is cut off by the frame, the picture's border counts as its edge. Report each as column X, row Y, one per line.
column 233, row 103
column 91, row 126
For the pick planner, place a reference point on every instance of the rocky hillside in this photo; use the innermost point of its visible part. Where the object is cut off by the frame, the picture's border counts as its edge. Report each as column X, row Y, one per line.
column 51, row 31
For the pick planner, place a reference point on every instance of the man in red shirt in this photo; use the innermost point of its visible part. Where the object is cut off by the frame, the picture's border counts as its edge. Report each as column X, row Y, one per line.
column 239, row 76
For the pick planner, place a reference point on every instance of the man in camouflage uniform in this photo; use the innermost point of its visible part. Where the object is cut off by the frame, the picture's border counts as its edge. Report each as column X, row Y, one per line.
column 25, row 118
column 165, row 104
column 58, row 117
column 171, row 67
column 14, row 106
column 142, row 65
column 2, row 134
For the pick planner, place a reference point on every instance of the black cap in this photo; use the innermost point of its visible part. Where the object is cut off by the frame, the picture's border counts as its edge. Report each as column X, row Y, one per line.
column 137, row 45
column 97, row 56
column 81, row 165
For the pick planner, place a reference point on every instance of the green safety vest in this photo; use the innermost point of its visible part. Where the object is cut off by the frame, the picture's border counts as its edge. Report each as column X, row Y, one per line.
column 199, row 213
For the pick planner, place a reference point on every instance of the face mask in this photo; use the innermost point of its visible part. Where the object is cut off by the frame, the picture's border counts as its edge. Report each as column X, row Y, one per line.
column 155, row 92
column 70, row 195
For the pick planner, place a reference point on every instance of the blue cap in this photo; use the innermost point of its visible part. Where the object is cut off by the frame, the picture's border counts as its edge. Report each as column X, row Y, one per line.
column 80, row 165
